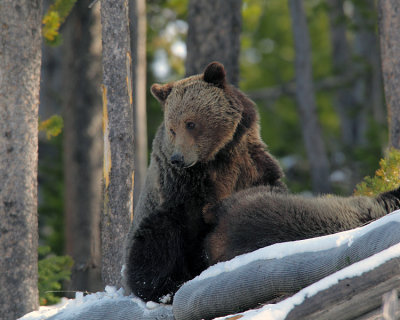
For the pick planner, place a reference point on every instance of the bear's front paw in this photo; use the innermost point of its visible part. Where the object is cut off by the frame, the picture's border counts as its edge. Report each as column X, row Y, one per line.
column 156, row 265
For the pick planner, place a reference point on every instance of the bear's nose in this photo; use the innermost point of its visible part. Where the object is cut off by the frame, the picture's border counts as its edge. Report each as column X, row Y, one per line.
column 177, row 160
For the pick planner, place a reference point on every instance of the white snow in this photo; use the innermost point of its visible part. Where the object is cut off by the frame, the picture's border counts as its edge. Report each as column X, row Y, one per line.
column 280, row 250
column 77, row 305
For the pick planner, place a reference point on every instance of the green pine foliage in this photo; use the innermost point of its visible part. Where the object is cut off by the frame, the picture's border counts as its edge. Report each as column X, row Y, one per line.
column 52, row 126
column 54, row 18
column 386, row 178
column 53, row 270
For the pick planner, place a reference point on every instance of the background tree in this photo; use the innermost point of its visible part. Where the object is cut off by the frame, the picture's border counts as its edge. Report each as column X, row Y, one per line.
column 138, row 30
column 214, row 35
column 358, row 100
column 341, row 60
column 317, row 156
column 20, row 58
column 118, row 138
column 83, row 144
column 389, row 24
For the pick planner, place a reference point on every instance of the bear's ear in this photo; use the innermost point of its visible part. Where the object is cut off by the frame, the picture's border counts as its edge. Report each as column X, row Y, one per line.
column 215, row 74
column 161, row 92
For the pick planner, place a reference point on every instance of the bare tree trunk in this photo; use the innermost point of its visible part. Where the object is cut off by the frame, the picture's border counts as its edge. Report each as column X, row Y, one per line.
column 20, row 59
column 344, row 100
column 389, row 26
column 312, row 134
column 137, row 26
column 214, row 35
column 118, row 138
column 367, row 89
column 83, row 145
column 366, row 46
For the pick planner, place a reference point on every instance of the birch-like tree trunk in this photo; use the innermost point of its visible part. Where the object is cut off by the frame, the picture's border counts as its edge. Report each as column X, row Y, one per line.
column 389, row 26
column 83, row 145
column 118, row 138
column 312, row 134
column 137, row 17
column 20, row 59
column 214, row 35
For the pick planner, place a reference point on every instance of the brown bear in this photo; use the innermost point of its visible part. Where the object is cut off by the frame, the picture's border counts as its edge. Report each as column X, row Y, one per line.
column 207, row 148
column 258, row 217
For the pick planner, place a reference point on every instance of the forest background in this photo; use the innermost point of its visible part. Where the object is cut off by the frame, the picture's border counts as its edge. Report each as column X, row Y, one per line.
column 349, row 99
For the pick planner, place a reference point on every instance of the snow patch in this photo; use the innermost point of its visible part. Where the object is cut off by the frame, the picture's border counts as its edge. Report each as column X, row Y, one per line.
column 71, row 307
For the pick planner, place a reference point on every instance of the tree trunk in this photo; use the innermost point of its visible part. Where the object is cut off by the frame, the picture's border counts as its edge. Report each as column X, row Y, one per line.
column 20, row 59
column 368, row 87
column 137, row 27
column 344, row 100
column 312, row 134
column 214, row 35
column 389, row 26
column 366, row 46
column 118, row 138
column 83, row 145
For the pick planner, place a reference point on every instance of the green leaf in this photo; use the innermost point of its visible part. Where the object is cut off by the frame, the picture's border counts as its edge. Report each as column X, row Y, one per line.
column 386, row 178
column 52, row 126
column 53, row 270
column 54, row 18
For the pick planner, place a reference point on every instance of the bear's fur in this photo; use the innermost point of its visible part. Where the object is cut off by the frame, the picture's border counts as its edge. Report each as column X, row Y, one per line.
column 258, row 217
column 207, row 148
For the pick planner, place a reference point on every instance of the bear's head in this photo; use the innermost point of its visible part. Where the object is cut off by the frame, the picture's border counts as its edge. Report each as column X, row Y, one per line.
column 202, row 113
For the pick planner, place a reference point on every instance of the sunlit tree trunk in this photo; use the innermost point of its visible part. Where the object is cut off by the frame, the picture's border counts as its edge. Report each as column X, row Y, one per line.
column 83, row 145
column 137, row 17
column 118, row 138
column 305, row 97
column 389, row 26
column 20, row 59
column 214, row 35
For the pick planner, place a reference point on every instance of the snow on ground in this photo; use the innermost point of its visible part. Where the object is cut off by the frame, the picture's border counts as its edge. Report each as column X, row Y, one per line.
column 81, row 302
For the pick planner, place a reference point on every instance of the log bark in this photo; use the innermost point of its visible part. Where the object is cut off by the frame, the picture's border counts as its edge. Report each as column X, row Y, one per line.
column 305, row 96
column 214, row 35
column 83, row 145
column 20, row 60
column 351, row 298
column 389, row 24
column 118, row 138
column 137, row 27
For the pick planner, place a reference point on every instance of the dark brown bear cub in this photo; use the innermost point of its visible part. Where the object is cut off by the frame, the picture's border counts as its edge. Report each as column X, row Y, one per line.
column 207, row 148
column 256, row 218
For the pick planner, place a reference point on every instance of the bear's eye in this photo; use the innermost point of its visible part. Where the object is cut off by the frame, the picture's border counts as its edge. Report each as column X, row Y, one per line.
column 190, row 125
column 172, row 132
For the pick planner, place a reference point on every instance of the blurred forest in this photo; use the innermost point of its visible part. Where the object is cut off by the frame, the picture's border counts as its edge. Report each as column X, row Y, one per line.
column 347, row 80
